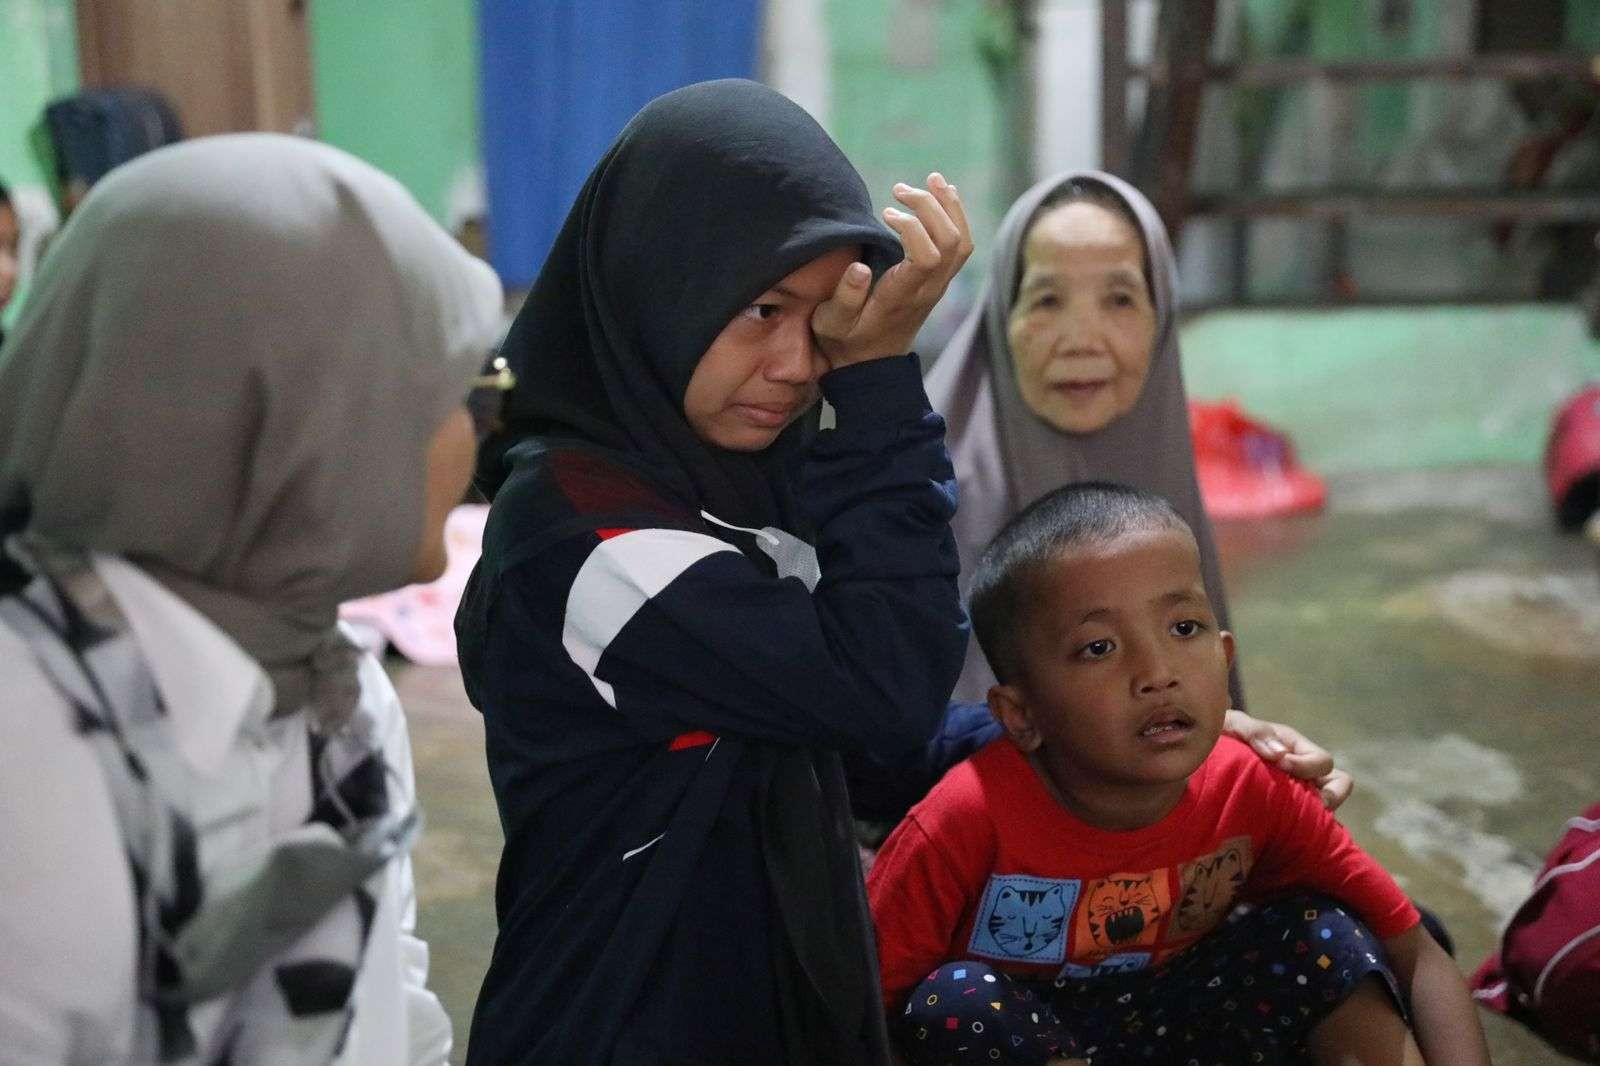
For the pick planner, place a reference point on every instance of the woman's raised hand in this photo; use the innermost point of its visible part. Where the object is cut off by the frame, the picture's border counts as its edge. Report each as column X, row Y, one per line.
column 863, row 321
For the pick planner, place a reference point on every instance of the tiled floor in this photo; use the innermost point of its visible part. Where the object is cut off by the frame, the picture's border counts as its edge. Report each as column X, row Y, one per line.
column 1433, row 629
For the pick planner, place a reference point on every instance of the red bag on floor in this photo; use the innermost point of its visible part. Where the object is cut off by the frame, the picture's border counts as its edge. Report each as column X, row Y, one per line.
column 1246, row 468
column 1546, row 974
column 1572, row 459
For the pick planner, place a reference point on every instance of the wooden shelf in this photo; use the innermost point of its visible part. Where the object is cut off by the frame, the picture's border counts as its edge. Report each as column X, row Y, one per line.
column 1529, row 66
column 1541, row 206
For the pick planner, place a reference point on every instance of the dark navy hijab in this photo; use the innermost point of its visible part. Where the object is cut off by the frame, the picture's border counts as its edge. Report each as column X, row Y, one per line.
column 710, row 196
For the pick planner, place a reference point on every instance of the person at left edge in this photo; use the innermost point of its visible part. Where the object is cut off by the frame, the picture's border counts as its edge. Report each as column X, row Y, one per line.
column 691, row 603
column 232, row 400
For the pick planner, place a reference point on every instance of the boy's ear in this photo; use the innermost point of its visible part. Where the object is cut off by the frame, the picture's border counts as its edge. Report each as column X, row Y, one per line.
column 1011, row 711
column 1229, row 648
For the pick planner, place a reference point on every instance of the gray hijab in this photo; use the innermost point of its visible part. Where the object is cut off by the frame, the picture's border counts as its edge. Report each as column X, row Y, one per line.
column 1006, row 456
column 228, row 371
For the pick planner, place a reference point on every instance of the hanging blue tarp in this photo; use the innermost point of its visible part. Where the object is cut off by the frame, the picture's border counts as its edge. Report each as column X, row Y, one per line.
column 560, row 78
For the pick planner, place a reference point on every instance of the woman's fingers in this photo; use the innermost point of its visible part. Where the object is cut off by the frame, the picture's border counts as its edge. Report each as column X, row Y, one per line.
column 1280, row 744
column 932, row 213
column 1305, row 759
column 936, row 238
column 1259, row 735
column 951, row 199
column 1335, row 789
column 836, row 316
column 921, row 252
column 861, row 320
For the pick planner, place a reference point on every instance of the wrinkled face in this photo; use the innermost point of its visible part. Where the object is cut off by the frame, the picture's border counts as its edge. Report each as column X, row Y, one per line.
column 1124, row 671
column 450, row 459
column 1083, row 324
column 10, row 235
column 761, row 372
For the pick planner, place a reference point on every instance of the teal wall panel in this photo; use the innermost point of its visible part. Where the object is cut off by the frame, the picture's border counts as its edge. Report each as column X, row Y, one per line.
column 397, row 85
column 1397, row 388
column 38, row 63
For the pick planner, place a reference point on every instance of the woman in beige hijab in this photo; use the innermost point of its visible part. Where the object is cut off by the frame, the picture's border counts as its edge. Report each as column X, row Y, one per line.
column 233, row 400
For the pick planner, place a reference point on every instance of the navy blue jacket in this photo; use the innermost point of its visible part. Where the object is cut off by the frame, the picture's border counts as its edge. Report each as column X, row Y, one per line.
column 630, row 657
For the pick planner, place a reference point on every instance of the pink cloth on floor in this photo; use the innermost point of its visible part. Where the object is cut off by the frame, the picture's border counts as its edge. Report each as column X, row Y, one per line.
column 419, row 620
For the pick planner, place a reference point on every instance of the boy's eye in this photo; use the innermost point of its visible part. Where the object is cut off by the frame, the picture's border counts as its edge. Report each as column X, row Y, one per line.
column 1096, row 649
column 1186, row 628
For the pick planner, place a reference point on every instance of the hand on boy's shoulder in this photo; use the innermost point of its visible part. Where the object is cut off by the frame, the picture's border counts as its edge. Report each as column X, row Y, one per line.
column 1284, row 800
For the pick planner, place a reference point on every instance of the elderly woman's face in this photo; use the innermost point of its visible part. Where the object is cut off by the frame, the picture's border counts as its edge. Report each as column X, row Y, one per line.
column 1082, row 325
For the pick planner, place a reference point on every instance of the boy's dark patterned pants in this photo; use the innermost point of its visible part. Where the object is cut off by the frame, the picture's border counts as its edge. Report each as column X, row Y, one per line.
column 1251, row 991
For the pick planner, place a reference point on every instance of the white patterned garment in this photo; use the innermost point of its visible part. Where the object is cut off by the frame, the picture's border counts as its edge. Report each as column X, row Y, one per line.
column 70, row 943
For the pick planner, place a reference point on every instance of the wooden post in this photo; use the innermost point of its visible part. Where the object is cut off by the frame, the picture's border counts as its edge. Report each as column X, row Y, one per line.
column 1114, row 148
column 1164, row 156
column 239, row 65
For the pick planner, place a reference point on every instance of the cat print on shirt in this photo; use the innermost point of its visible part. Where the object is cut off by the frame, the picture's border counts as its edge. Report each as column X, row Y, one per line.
column 1211, row 884
column 1023, row 919
column 1126, row 962
column 1122, row 910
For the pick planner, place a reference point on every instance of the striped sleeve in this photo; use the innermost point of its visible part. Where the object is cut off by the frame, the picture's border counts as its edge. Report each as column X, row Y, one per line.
column 617, row 579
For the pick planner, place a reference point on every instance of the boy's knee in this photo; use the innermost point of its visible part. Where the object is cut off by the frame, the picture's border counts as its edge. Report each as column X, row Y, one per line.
column 1321, row 920
column 1344, row 965
column 955, row 988
column 967, row 1011
column 1366, row 1026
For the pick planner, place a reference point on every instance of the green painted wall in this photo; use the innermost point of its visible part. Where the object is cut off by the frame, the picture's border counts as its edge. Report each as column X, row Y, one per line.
column 1371, row 389
column 913, row 92
column 1583, row 23
column 38, row 62
column 1362, row 389
column 397, row 85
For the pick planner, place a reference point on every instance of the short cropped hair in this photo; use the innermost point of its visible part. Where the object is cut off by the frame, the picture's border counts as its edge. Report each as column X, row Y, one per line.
column 1090, row 512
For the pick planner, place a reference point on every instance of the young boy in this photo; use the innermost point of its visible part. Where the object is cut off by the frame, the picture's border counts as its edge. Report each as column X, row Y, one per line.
column 1074, row 888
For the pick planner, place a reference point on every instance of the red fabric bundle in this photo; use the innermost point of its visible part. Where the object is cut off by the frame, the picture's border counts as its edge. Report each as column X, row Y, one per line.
column 1246, row 468
column 1546, row 974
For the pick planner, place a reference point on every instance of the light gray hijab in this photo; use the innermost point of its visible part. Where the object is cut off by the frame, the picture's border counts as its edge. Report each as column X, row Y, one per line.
column 1006, row 456
column 228, row 371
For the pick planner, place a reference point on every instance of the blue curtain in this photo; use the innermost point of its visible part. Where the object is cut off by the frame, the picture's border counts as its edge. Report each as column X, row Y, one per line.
column 560, row 78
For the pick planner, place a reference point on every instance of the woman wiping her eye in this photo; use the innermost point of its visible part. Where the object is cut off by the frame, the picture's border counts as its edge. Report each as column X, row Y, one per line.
column 692, row 603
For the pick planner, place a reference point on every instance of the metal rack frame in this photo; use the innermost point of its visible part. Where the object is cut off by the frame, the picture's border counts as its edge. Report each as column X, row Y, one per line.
column 1159, row 156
